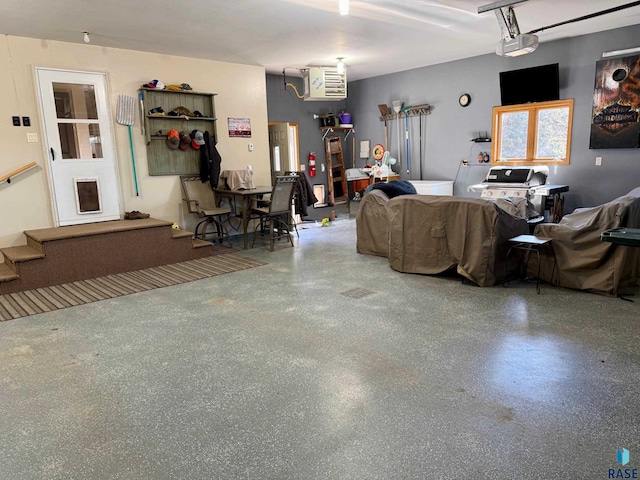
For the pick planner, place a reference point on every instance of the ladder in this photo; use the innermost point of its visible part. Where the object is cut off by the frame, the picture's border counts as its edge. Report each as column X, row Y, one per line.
column 338, row 192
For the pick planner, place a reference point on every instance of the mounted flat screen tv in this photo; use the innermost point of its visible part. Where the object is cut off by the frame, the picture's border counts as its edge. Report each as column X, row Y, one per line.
column 535, row 84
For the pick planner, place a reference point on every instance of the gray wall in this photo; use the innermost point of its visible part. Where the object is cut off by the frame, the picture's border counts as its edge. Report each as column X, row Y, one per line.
column 449, row 128
column 284, row 106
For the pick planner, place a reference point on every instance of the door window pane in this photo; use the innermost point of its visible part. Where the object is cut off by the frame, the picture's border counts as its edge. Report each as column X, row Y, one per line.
column 513, row 139
column 80, row 140
column 551, row 141
column 95, row 141
column 276, row 158
column 75, row 101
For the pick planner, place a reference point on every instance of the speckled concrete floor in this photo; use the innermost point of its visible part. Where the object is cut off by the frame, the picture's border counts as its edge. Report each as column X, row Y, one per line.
column 275, row 373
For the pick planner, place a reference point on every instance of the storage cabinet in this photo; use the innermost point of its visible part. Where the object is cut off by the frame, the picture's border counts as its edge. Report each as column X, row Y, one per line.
column 161, row 159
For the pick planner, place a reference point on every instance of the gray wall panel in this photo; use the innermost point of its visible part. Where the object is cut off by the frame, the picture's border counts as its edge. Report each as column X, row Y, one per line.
column 447, row 131
column 450, row 127
column 284, row 106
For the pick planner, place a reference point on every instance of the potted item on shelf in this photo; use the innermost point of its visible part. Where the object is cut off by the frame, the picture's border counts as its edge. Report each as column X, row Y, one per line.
column 345, row 118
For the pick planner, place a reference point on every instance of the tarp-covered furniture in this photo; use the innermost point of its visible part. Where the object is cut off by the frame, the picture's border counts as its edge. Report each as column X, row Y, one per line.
column 371, row 219
column 584, row 261
column 431, row 234
column 371, row 224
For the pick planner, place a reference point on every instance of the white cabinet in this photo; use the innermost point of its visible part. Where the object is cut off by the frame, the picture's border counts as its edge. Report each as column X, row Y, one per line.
column 433, row 187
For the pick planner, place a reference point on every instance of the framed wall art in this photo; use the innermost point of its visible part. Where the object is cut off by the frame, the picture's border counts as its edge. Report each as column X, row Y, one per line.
column 616, row 104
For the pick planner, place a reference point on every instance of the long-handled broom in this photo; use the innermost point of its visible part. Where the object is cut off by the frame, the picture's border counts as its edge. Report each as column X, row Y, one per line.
column 405, row 111
column 125, row 115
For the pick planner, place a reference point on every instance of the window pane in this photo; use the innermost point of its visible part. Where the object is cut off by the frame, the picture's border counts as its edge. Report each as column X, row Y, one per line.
column 553, row 124
column 75, row 101
column 513, row 138
column 80, row 140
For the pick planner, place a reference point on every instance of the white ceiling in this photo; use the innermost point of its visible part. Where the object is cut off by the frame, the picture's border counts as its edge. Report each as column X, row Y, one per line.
column 378, row 37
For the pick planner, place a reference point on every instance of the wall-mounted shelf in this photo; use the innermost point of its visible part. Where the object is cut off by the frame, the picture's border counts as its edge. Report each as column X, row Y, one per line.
column 475, row 164
column 327, row 130
column 182, row 117
column 162, row 160
column 481, row 140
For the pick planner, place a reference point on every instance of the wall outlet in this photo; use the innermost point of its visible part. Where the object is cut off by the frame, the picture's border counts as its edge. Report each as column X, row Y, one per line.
column 323, row 167
column 598, row 161
column 32, row 137
column 16, row 121
column 251, row 147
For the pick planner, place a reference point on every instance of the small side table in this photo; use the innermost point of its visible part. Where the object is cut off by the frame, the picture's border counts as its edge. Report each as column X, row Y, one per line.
column 531, row 243
column 629, row 237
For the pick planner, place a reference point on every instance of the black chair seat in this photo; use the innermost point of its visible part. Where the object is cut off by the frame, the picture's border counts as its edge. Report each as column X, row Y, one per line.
column 276, row 216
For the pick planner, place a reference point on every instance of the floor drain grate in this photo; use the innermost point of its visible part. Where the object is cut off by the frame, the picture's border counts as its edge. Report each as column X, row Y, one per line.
column 357, row 292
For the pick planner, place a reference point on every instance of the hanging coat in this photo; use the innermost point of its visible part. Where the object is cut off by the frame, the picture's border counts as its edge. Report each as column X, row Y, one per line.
column 205, row 161
column 210, row 161
column 303, row 194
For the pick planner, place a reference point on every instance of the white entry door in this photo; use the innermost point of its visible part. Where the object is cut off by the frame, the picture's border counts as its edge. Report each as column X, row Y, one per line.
column 81, row 154
column 283, row 148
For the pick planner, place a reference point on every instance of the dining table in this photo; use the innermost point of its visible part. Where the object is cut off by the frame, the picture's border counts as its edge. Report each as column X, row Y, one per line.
column 241, row 201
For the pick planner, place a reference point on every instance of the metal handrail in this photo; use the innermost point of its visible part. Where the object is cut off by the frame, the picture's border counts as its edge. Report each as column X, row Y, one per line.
column 8, row 177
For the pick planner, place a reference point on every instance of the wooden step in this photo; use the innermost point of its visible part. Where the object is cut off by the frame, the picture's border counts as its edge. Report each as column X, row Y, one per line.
column 7, row 273
column 197, row 243
column 89, row 229
column 177, row 233
column 22, row 253
column 80, row 252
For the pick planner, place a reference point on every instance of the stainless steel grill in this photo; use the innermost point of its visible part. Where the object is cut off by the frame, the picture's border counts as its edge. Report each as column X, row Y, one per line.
column 523, row 182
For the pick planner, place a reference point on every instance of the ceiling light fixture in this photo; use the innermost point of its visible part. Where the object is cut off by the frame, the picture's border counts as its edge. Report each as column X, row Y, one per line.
column 617, row 53
column 86, row 37
column 343, row 6
column 340, row 65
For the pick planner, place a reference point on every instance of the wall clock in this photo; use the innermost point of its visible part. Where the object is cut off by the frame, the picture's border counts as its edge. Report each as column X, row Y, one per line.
column 464, row 100
column 377, row 151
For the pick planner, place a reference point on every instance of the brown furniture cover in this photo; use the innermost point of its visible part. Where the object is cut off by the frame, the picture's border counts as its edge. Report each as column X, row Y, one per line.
column 431, row 234
column 584, row 262
column 371, row 224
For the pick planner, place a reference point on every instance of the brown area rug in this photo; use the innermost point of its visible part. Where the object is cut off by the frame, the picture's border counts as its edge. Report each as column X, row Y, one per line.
column 40, row 300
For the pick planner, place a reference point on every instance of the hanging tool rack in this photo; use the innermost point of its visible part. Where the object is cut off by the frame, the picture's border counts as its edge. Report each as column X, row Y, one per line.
column 414, row 111
column 405, row 112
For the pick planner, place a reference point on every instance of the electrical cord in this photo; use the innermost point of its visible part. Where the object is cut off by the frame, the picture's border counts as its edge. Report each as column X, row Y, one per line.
column 284, row 79
column 294, row 89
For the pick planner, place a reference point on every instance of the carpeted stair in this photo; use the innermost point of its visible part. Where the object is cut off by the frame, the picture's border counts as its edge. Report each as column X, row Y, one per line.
column 54, row 256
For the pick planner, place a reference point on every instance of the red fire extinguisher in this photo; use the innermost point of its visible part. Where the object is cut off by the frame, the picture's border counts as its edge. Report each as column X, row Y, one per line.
column 312, row 164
